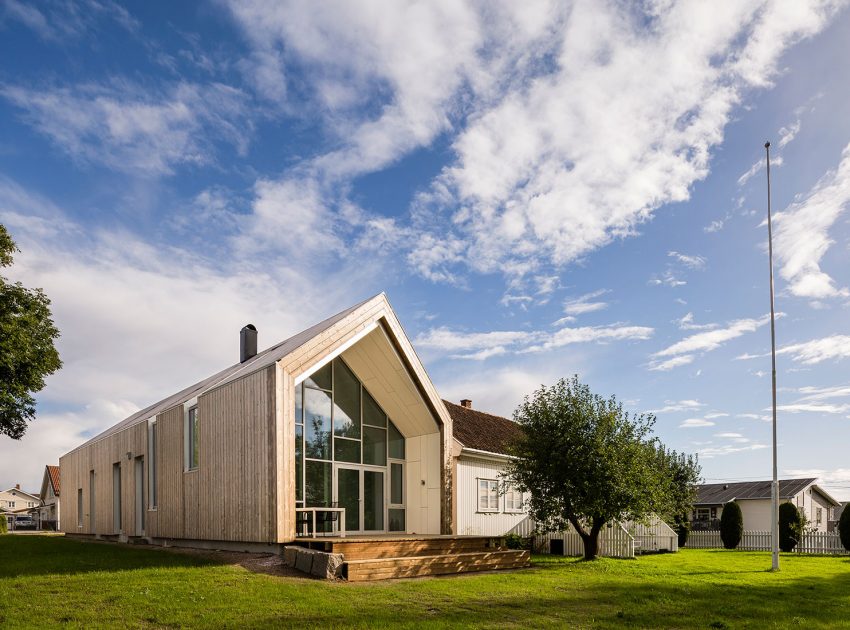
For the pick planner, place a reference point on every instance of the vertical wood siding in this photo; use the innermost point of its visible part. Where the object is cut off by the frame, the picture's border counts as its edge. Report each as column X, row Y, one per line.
column 469, row 519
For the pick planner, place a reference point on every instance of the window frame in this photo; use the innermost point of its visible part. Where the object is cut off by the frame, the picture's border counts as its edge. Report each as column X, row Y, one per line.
column 189, row 440
column 492, row 485
column 511, row 489
column 150, row 462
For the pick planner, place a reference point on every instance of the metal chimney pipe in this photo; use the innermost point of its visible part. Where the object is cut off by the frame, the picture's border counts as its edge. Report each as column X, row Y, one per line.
column 247, row 343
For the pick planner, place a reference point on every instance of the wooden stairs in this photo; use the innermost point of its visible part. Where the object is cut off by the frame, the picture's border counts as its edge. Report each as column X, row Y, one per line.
column 388, row 557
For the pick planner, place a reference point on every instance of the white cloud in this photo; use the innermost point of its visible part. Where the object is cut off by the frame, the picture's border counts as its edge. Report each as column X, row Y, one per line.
column 728, row 449
column 834, row 347
column 692, row 423
column 759, row 166
column 130, row 128
column 813, row 408
column 714, row 226
column 728, row 435
column 585, row 303
column 59, row 21
column 802, row 234
column 672, row 406
column 482, row 345
column 669, row 364
column 713, row 339
column 668, row 278
column 687, row 323
column 540, row 102
column 787, row 134
column 692, row 262
column 754, row 416
column 716, row 414
column 824, row 393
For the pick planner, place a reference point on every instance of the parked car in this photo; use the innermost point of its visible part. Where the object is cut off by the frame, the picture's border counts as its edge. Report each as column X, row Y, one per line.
column 24, row 522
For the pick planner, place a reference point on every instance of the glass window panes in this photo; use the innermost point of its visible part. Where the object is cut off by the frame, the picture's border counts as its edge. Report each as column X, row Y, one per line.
column 299, row 417
column 372, row 413
column 396, row 519
column 321, row 378
column 488, row 495
column 346, row 401
column 319, row 483
column 396, row 484
column 513, row 499
column 194, row 442
column 299, row 462
column 347, row 450
column 374, row 446
column 396, row 444
column 317, row 423
column 373, row 500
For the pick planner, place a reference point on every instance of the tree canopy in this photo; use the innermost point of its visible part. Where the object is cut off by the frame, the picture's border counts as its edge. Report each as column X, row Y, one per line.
column 27, row 351
column 586, row 461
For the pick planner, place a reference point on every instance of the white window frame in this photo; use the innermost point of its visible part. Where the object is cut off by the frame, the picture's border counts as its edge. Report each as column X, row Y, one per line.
column 491, row 487
column 188, row 406
column 511, row 496
column 704, row 510
column 151, row 463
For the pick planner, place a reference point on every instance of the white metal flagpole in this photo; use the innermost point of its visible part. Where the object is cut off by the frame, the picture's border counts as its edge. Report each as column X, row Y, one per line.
column 774, row 488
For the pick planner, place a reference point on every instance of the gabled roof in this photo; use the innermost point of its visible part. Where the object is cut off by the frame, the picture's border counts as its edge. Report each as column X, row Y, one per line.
column 51, row 475
column 719, row 493
column 31, row 495
column 263, row 359
column 482, row 431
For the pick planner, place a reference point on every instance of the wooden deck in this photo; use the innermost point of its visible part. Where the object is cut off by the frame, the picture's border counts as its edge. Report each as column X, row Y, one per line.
column 396, row 556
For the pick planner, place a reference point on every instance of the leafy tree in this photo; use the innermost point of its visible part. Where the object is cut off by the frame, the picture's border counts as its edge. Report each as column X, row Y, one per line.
column 791, row 526
column 4, row 526
column 585, row 461
column 731, row 525
column 27, row 353
column 844, row 527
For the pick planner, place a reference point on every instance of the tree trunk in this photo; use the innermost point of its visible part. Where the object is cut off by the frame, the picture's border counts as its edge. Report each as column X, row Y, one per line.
column 591, row 545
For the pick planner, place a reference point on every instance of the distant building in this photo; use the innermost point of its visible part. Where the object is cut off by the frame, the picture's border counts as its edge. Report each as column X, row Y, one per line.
column 48, row 511
column 755, row 501
column 15, row 503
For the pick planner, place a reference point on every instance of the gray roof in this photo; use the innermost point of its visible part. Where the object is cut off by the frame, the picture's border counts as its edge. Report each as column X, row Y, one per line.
column 263, row 359
column 719, row 493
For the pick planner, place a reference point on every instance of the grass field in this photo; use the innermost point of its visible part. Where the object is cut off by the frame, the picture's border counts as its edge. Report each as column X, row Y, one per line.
column 49, row 581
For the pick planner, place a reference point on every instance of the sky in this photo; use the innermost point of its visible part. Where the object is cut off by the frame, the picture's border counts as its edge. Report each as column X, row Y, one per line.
column 541, row 188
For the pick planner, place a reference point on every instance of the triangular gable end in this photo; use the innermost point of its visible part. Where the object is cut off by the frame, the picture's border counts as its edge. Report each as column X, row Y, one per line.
column 373, row 322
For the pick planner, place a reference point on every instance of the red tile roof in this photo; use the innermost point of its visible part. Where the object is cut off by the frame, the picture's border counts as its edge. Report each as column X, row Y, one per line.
column 53, row 473
column 482, row 431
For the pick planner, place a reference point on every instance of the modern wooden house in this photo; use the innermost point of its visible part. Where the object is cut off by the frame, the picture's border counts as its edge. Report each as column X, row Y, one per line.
column 336, row 431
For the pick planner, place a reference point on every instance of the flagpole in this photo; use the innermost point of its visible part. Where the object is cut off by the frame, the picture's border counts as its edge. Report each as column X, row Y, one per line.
column 774, row 488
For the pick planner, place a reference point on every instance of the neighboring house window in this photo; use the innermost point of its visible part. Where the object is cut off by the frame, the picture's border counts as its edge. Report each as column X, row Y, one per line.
column 488, row 495
column 819, row 516
column 513, row 499
column 192, row 441
column 152, row 472
column 11, row 504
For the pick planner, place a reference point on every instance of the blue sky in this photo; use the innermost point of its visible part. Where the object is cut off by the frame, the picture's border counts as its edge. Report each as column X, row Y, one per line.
column 541, row 188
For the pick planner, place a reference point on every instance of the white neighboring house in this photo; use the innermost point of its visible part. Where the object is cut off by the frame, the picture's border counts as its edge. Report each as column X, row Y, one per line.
column 48, row 511
column 14, row 502
column 754, row 498
column 484, row 505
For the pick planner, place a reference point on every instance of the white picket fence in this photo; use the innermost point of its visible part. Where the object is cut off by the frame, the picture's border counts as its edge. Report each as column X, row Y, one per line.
column 614, row 542
column 654, row 535
column 815, row 542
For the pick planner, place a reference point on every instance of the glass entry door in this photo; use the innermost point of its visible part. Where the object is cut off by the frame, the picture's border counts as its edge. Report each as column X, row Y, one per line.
column 361, row 492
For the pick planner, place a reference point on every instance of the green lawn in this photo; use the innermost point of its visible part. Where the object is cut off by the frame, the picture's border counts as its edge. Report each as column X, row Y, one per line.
column 48, row 581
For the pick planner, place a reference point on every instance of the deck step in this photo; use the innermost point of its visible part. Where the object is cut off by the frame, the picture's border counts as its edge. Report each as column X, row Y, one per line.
column 415, row 566
column 368, row 550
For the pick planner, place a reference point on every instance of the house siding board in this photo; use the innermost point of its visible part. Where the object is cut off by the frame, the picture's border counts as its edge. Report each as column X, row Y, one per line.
column 469, row 520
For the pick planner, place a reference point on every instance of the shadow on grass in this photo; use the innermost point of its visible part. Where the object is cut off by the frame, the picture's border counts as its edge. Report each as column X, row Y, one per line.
column 43, row 555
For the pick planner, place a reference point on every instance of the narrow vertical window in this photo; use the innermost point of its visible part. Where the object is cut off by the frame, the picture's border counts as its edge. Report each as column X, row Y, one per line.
column 152, row 472
column 80, row 508
column 193, row 434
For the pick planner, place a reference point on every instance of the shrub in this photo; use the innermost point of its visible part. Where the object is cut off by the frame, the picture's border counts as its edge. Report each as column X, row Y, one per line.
column 844, row 527
column 731, row 525
column 3, row 526
column 683, row 529
column 515, row 541
column 791, row 524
